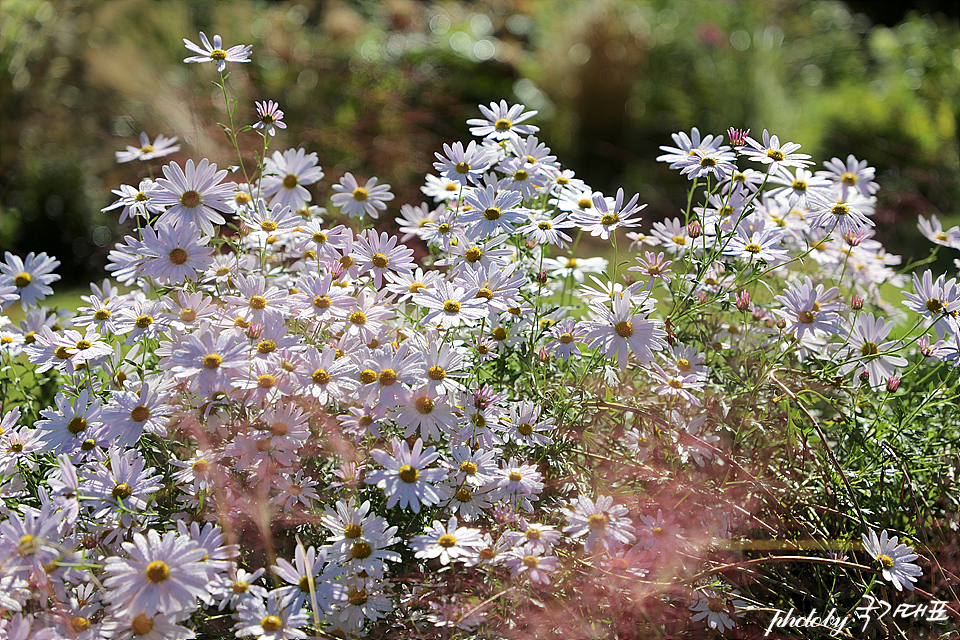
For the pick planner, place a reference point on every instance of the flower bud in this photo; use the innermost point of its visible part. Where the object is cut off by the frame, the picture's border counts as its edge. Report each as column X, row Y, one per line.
column 893, row 384
column 694, row 229
column 543, row 355
column 865, row 376
column 542, row 276
column 856, row 303
column 742, row 301
column 738, row 137
column 781, row 324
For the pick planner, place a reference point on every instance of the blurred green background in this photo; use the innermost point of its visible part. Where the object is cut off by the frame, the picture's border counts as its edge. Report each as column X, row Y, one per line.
column 376, row 87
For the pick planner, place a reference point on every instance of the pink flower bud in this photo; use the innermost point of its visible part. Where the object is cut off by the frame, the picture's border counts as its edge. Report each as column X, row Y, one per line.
column 856, row 303
column 738, row 137
column 694, row 229
column 743, row 301
column 893, row 384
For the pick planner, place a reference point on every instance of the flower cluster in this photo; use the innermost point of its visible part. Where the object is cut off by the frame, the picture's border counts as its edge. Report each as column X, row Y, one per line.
column 269, row 363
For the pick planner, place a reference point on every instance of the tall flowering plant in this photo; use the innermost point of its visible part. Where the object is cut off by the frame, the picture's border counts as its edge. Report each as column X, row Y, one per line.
column 272, row 421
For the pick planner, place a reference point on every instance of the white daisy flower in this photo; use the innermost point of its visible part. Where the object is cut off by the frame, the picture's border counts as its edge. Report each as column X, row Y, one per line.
column 895, row 559
column 216, row 53
column 447, row 542
column 405, row 478
column 357, row 201
column 31, row 277
column 160, row 575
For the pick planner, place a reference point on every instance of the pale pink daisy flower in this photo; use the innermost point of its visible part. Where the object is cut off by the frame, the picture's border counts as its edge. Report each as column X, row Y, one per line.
column 605, row 525
column 161, row 146
column 194, row 195
column 405, row 478
column 447, row 542
column 621, row 330
column 160, row 575
column 216, row 53
column 285, row 176
column 356, row 201
column 269, row 117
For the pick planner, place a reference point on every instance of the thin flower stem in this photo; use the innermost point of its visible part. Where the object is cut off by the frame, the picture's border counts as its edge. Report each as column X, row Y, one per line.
column 826, row 444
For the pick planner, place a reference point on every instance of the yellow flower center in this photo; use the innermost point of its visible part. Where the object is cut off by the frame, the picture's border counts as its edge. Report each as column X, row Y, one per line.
column 515, row 476
column 140, row 413
column 258, row 302
column 503, row 124
column 424, row 405
column 839, row 209
column 491, row 213
column 141, row 625
column 77, row 425
column 408, row 474
column 525, row 428
column 268, row 225
column 468, row 467
column 799, row 185
column 122, row 491
column 290, row 181
column 178, row 256
column 380, row 261
column 473, row 254
column 240, row 587
column 775, row 154
column 461, row 168
column 869, row 350
column 609, row 218
column 266, row 346
column 848, row 178
column 102, row 314
column 463, row 495
column 271, row 624
column 520, row 175
column 707, row 161
column 679, row 240
column 530, row 561
column 597, row 521
column 218, row 54
column 753, row 247
column 624, row 328
column 143, row 321
column 352, row 531
column 79, row 624
column 358, row 318
column 212, row 360
column 157, row 571
column 451, row 306
column 446, row 541
column 387, row 377
column 360, row 194
column 83, row 345
column 190, row 199
column 266, row 381
column 885, row 560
